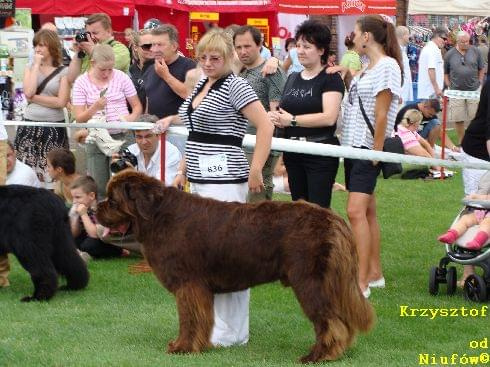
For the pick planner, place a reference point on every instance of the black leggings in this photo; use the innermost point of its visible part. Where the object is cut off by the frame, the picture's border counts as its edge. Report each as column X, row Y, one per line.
column 97, row 248
column 311, row 177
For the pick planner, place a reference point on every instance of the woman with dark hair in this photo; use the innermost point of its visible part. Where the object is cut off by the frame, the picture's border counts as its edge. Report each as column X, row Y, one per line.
column 47, row 91
column 373, row 98
column 351, row 59
column 289, row 44
column 308, row 111
column 291, row 62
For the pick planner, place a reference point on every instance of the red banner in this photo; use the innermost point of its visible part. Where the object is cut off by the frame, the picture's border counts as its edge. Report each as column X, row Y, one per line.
column 337, row 7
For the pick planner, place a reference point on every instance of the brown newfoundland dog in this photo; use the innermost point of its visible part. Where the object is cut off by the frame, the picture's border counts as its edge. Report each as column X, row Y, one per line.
column 197, row 247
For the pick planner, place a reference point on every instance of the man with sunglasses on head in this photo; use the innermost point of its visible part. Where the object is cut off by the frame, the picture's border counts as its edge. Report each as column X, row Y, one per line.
column 98, row 29
column 144, row 61
column 431, row 66
column 463, row 70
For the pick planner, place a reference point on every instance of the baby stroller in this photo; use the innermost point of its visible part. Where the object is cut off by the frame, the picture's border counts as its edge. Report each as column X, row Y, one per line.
column 476, row 288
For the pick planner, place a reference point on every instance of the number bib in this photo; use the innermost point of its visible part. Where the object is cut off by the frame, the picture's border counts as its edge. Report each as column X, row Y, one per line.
column 214, row 165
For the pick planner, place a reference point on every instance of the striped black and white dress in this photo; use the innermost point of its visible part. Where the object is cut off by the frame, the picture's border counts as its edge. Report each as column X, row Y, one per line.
column 216, row 129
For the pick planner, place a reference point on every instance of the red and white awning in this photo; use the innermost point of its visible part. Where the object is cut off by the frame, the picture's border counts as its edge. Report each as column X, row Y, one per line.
column 337, row 7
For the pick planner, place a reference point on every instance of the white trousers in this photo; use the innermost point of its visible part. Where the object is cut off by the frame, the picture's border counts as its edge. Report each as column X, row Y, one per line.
column 231, row 314
column 471, row 176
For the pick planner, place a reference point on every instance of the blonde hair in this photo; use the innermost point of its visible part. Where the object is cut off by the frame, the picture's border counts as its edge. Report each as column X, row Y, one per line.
column 103, row 18
column 411, row 117
column 102, row 53
column 217, row 40
column 136, row 36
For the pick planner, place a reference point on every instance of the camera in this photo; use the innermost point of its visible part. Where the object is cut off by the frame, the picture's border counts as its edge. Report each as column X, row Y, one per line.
column 126, row 159
column 83, row 36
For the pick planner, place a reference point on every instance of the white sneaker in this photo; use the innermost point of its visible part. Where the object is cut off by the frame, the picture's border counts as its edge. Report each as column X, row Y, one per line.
column 380, row 283
column 367, row 292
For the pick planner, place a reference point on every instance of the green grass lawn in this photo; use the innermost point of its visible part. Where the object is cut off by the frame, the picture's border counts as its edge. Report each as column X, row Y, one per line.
column 127, row 320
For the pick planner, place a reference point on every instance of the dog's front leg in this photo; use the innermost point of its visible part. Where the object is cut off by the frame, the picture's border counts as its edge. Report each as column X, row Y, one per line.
column 196, row 318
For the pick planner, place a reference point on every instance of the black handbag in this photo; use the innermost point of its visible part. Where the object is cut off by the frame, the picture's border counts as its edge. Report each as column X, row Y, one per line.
column 391, row 145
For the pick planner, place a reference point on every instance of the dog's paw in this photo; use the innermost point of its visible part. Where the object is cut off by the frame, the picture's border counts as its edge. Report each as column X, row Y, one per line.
column 27, row 299
column 307, row 359
column 175, row 347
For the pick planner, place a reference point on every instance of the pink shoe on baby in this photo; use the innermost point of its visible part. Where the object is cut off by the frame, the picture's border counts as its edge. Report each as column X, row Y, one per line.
column 477, row 242
column 449, row 237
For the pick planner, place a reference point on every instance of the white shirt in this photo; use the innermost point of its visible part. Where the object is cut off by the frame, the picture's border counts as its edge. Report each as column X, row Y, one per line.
column 22, row 174
column 430, row 58
column 295, row 64
column 407, row 90
column 172, row 160
column 3, row 132
column 265, row 53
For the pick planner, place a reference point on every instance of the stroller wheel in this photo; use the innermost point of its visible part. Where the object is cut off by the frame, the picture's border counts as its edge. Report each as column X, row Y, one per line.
column 475, row 288
column 451, row 279
column 433, row 281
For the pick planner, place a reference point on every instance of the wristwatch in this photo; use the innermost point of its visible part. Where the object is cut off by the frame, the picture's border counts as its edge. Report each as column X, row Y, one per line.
column 293, row 121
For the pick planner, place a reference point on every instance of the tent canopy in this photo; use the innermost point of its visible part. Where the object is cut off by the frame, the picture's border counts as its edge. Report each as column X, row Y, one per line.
column 126, row 7
column 450, row 7
column 218, row 6
column 338, row 7
column 64, row 7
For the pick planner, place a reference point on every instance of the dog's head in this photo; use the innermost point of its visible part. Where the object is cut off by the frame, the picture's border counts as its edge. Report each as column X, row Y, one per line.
column 130, row 198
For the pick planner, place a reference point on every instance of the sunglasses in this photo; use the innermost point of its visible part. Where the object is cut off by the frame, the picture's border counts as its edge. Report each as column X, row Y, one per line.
column 212, row 59
column 146, row 46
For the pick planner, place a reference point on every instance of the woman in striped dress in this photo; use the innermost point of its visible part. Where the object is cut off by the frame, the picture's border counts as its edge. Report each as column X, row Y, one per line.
column 216, row 115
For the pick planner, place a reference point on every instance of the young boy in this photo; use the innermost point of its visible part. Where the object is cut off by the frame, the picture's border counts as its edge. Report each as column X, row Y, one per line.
column 83, row 222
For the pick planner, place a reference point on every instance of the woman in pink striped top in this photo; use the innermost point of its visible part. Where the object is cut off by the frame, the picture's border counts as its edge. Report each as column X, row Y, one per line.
column 103, row 92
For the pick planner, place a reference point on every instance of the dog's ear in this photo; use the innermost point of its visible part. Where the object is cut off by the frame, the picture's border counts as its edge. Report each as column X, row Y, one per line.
column 142, row 200
column 135, row 193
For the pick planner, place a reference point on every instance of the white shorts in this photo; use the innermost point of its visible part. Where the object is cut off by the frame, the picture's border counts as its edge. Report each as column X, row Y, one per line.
column 231, row 314
column 471, row 176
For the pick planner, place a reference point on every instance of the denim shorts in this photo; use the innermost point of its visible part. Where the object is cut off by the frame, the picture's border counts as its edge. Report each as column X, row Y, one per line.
column 427, row 127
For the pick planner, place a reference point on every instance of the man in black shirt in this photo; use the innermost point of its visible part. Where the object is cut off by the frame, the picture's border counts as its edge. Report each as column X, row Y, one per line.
column 164, row 83
column 430, row 128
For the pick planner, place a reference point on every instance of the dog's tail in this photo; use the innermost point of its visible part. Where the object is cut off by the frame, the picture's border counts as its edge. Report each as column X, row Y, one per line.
column 357, row 311
column 67, row 260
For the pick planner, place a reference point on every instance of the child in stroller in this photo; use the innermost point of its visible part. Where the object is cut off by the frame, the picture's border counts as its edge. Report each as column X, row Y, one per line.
column 467, row 244
column 468, row 220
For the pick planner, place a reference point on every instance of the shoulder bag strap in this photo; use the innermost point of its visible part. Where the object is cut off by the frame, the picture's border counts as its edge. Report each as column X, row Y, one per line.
column 45, row 82
column 366, row 119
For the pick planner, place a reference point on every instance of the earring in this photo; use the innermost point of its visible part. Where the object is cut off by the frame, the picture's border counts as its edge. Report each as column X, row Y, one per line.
column 363, row 46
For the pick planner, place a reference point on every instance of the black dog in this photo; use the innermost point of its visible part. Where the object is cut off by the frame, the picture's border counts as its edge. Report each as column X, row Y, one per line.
column 34, row 226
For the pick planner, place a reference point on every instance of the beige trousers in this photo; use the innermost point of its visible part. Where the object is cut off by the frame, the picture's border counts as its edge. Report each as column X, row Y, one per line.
column 4, row 261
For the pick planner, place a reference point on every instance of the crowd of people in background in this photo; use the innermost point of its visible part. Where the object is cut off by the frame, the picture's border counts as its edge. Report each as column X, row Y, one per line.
column 233, row 87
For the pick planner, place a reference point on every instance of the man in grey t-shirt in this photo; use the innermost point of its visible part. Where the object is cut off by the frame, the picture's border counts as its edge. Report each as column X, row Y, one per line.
column 463, row 70
column 247, row 41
